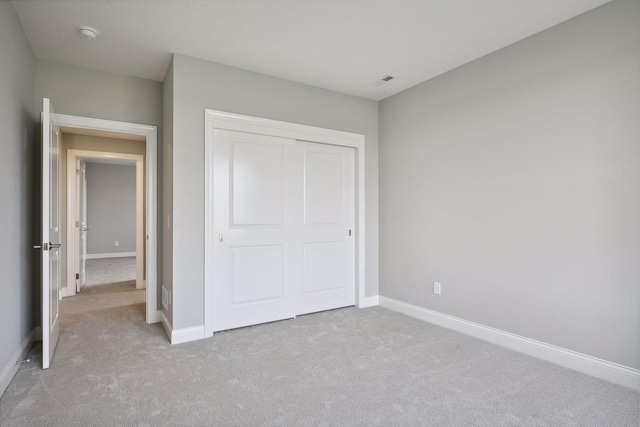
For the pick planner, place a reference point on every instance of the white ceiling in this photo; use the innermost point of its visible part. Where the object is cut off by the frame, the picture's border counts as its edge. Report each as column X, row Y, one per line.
column 342, row 45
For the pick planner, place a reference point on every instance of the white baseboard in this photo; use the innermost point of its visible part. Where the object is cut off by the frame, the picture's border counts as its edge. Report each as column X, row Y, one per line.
column 610, row 371
column 368, row 302
column 67, row 291
column 111, row 255
column 11, row 368
column 179, row 336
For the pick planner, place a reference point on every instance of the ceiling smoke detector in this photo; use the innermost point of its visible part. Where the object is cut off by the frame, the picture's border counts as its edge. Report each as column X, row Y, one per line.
column 88, row 32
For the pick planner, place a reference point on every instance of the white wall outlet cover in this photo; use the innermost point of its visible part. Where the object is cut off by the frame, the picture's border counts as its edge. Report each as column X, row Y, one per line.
column 437, row 288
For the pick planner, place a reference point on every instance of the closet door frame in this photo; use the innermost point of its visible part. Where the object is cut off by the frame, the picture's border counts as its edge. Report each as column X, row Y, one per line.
column 229, row 121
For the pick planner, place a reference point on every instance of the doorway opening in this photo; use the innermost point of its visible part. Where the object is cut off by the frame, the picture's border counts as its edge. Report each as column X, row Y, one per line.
column 105, row 216
column 102, row 147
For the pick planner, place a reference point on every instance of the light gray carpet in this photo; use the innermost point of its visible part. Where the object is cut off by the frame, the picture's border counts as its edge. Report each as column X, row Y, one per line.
column 347, row 367
column 110, row 270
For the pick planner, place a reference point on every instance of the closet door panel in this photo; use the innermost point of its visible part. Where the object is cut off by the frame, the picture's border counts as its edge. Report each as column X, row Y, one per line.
column 253, row 201
column 326, row 232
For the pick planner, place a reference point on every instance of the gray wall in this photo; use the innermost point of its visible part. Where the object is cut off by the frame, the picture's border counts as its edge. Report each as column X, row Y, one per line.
column 18, row 259
column 91, row 93
column 167, row 188
column 515, row 181
column 111, row 208
column 199, row 84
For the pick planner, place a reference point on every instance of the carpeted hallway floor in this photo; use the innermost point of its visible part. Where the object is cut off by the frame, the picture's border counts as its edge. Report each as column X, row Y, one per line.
column 101, row 271
column 346, row 367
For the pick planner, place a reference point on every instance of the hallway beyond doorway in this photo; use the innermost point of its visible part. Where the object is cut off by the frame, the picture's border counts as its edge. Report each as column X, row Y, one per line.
column 102, row 271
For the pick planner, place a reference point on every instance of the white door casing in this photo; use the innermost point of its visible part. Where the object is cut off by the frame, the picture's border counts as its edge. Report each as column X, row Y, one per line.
column 319, row 252
column 50, row 244
column 149, row 236
column 83, row 228
column 77, row 226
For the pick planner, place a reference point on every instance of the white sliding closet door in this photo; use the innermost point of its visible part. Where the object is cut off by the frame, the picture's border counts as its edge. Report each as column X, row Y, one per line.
column 283, row 216
column 253, row 214
column 326, row 230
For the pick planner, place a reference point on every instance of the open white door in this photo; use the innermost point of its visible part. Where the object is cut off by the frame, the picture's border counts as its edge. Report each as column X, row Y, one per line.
column 50, row 235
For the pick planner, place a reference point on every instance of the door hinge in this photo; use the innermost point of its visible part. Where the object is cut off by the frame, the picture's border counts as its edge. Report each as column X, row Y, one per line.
column 349, row 232
column 77, row 276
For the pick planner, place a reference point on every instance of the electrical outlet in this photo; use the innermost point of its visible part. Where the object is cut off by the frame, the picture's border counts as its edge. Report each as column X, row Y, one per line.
column 117, row 243
column 437, row 288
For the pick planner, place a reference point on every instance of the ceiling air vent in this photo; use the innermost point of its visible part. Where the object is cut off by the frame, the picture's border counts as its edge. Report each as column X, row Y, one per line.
column 387, row 78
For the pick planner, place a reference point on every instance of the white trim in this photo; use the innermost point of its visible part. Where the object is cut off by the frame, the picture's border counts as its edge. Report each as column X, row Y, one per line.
column 369, row 302
column 223, row 120
column 11, row 368
column 194, row 333
column 111, row 255
column 610, row 371
column 242, row 123
column 151, row 153
column 67, row 291
column 140, row 231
